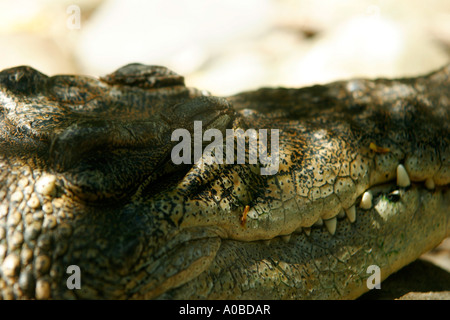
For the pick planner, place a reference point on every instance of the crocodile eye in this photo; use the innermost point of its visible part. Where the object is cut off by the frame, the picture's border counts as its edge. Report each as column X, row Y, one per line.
column 110, row 158
column 104, row 137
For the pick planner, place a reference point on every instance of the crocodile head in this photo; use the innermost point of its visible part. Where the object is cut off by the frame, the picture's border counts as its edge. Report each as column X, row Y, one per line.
column 88, row 179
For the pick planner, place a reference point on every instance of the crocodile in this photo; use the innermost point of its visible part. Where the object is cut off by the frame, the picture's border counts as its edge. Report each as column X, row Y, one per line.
column 92, row 205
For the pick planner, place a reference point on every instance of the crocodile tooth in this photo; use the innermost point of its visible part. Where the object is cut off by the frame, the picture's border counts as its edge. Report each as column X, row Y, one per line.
column 366, row 200
column 341, row 214
column 286, row 238
column 429, row 184
column 394, row 196
column 318, row 223
column 267, row 242
column 331, row 225
column 307, row 231
column 402, row 176
column 351, row 213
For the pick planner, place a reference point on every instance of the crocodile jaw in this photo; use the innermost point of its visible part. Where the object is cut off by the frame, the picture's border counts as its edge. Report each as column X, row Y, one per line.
column 392, row 226
column 182, row 240
column 389, row 235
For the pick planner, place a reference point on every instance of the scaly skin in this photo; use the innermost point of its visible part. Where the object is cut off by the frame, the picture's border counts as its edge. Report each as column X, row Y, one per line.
column 86, row 179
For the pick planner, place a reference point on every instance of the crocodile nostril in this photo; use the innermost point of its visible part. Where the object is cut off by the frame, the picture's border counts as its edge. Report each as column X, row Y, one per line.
column 90, row 136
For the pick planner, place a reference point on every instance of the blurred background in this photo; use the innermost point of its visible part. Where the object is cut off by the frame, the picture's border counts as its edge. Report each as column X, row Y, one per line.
column 229, row 46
